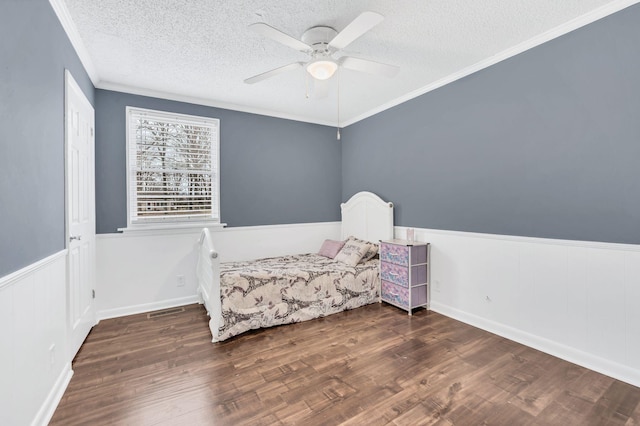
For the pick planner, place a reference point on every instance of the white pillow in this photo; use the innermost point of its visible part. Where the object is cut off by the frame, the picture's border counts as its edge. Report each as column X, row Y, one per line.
column 352, row 252
column 371, row 253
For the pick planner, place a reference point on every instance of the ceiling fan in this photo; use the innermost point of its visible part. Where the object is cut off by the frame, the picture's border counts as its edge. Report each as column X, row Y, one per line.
column 321, row 43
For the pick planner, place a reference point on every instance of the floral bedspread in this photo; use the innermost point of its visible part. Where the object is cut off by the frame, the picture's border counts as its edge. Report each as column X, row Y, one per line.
column 288, row 289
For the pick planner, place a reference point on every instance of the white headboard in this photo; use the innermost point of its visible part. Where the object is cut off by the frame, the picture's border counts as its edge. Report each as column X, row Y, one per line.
column 368, row 217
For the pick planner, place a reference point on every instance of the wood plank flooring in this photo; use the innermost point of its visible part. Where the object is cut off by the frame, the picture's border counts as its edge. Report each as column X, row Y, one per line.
column 370, row 366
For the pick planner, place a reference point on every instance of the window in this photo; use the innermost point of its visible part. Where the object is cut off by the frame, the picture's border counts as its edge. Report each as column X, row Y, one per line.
column 173, row 168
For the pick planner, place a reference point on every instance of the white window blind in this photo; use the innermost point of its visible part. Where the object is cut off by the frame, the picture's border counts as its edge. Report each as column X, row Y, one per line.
column 173, row 167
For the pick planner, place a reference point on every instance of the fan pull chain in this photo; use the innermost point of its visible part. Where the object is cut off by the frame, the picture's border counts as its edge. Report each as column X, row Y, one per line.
column 306, row 84
column 338, row 96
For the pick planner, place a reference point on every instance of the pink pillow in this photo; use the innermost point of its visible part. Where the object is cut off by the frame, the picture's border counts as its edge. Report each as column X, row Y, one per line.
column 330, row 248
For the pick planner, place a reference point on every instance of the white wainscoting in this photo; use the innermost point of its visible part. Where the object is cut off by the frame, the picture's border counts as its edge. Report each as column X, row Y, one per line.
column 575, row 300
column 34, row 358
column 138, row 271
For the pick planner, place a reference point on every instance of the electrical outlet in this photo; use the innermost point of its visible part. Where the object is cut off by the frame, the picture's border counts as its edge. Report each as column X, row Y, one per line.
column 436, row 286
column 180, row 280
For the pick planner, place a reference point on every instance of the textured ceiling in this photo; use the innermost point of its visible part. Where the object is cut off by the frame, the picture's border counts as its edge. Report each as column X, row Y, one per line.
column 202, row 50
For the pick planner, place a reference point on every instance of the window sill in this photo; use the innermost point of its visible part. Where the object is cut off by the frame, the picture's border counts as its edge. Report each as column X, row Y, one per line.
column 170, row 228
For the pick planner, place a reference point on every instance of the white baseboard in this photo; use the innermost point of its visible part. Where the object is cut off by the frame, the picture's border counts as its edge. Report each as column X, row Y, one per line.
column 572, row 299
column 601, row 365
column 47, row 410
column 147, row 307
column 544, row 293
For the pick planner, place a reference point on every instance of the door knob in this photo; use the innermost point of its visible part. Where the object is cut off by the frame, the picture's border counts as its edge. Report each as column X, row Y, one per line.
column 75, row 237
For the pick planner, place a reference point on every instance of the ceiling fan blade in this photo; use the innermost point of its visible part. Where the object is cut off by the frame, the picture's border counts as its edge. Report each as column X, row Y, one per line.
column 276, row 71
column 277, row 35
column 371, row 67
column 363, row 23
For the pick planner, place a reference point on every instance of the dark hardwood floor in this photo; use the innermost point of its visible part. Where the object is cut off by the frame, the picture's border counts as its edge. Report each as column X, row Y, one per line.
column 369, row 366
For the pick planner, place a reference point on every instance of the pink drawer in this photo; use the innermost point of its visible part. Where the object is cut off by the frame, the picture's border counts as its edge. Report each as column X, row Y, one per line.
column 395, row 294
column 394, row 273
column 399, row 296
column 394, row 254
column 400, row 275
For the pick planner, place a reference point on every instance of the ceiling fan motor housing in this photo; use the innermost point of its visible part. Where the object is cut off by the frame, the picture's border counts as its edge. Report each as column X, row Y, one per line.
column 321, row 42
column 319, row 38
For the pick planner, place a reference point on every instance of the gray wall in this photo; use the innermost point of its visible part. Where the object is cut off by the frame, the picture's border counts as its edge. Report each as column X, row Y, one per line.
column 34, row 52
column 545, row 144
column 273, row 171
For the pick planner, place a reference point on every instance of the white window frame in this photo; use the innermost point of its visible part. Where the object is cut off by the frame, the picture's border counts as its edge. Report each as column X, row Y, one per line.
column 174, row 222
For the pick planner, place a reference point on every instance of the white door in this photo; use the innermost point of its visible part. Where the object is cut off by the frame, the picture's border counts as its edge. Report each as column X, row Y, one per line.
column 80, row 213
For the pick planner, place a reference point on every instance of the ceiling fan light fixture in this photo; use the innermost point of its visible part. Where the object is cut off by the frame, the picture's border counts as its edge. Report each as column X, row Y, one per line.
column 322, row 69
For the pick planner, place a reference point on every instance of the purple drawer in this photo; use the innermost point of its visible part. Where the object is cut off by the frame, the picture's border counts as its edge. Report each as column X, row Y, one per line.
column 418, row 275
column 394, row 254
column 400, row 275
column 400, row 254
column 419, row 254
column 399, row 296
column 418, row 296
column 394, row 273
column 395, row 294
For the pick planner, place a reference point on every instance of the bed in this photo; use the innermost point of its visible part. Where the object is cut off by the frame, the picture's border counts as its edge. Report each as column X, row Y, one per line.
column 240, row 296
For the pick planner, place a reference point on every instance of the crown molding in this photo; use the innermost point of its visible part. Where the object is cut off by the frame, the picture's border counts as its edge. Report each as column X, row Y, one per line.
column 115, row 87
column 65, row 19
column 61, row 11
column 574, row 24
